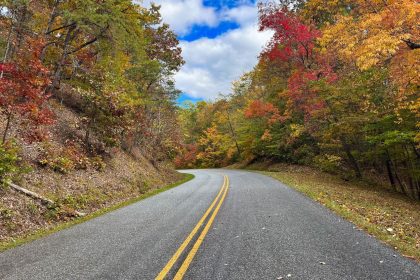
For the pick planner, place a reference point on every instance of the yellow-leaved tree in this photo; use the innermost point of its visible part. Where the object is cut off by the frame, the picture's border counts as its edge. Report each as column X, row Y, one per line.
column 380, row 33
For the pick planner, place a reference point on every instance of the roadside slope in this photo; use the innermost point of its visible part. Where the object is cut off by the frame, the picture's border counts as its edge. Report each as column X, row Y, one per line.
column 74, row 179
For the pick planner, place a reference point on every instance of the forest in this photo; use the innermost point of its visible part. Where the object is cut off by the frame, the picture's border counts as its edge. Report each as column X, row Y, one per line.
column 109, row 61
column 90, row 121
column 336, row 88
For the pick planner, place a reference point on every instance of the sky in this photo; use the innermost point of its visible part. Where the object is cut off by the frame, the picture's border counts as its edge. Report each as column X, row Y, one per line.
column 219, row 40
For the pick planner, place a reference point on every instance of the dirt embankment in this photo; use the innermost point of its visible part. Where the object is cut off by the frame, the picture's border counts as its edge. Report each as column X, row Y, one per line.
column 62, row 171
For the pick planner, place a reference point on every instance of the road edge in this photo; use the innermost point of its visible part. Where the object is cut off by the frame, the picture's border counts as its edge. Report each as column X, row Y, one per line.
column 6, row 245
column 367, row 228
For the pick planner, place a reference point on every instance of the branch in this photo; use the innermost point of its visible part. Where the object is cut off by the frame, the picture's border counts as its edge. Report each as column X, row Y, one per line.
column 59, row 28
column 411, row 44
column 29, row 193
column 84, row 45
column 43, row 200
column 90, row 41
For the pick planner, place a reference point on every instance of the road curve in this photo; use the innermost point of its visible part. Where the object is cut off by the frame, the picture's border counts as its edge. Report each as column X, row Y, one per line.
column 258, row 228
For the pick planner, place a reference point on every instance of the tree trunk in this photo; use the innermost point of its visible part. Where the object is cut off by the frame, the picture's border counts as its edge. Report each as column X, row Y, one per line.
column 233, row 134
column 20, row 26
column 6, row 129
column 390, row 176
column 6, row 52
column 388, row 163
column 48, row 29
column 352, row 160
column 53, row 15
column 87, row 136
column 55, row 85
column 414, row 183
column 397, row 177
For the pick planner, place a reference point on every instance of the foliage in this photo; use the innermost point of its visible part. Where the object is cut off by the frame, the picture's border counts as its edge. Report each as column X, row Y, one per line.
column 64, row 160
column 22, row 88
column 211, row 143
column 328, row 163
column 114, row 57
column 9, row 161
column 187, row 157
column 336, row 87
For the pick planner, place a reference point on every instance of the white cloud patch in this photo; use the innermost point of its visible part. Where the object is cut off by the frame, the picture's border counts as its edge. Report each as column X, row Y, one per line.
column 212, row 64
column 182, row 15
column 243, row 15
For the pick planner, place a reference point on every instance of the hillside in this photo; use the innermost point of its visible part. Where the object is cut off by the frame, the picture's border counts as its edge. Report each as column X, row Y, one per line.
column 73, row 178
column 87, row 108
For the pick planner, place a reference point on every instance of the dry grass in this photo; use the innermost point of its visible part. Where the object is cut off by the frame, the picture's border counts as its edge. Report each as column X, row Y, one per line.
column 389, row 216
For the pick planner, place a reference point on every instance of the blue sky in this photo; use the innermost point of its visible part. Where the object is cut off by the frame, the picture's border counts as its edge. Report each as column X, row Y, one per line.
column 199, row 31
column 220, row 42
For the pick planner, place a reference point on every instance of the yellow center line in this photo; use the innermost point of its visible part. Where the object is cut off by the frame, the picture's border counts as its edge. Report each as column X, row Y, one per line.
column 183, row 269
column 181, row 249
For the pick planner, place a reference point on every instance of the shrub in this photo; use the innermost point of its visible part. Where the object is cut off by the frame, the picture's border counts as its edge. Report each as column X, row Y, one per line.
column 329, row 163
column 62, row 164
column 9, row 161
column 66, row 159
column 98, row 163
column 55, row 160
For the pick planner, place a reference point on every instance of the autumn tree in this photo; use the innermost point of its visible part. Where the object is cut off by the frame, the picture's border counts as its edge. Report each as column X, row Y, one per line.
column 211, row 151
column 23, row 77
column 336, row 87
column 112, row 62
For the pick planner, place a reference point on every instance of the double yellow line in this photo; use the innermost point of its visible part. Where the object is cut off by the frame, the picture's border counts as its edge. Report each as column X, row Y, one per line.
column 183, row 269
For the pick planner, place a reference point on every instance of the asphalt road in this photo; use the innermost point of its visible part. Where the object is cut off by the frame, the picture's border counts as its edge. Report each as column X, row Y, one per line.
column 257, row 229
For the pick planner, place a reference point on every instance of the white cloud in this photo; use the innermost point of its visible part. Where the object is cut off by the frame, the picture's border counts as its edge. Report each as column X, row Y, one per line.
column 212, row 64
column 243, row 15
column 182, row 15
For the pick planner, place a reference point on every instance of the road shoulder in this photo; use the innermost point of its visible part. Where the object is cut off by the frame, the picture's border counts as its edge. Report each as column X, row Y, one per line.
column 78, row 220
column 391, row 217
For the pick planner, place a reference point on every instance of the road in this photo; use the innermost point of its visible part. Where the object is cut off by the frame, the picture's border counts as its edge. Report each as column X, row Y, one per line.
column 257, row 228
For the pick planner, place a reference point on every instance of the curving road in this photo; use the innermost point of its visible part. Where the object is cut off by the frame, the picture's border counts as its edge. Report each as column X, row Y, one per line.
column 240, row 226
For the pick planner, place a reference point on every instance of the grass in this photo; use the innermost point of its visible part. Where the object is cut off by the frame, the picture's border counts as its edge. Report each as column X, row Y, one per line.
column 44, row 232
column 391, row 217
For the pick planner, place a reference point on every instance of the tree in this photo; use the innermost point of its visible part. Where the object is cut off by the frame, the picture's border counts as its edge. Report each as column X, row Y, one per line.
column 292, row 41
column 212, row 153
column 22, row 89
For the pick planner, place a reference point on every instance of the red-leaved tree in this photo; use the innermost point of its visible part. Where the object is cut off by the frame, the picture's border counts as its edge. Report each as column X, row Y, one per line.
column 22, row 92
column 292, row 41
